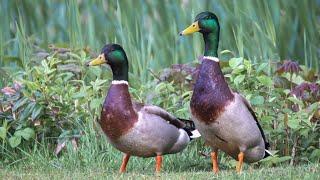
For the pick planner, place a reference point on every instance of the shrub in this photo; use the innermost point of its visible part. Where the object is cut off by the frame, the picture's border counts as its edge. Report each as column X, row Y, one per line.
column 52, row 101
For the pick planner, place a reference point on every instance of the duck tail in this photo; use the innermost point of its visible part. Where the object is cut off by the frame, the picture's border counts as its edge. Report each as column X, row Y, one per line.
column 195, row 134
column 190, row 128
column 267, row 153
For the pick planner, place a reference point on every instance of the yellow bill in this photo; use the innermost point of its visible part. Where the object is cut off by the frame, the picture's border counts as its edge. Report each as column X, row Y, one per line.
column 194, row 27
column 97, row 61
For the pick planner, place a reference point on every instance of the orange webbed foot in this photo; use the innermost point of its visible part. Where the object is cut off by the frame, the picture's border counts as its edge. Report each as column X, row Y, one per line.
column 158, row 163
column 214, row 159
column 240, row 162
column 125, row 160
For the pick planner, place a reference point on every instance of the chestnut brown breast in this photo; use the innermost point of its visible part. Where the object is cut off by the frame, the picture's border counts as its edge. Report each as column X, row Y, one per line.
column 211, row 93
column 118, row 115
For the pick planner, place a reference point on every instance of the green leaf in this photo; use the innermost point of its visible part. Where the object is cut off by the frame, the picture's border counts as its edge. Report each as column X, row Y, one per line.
column 315, row 154
column 313, row 107
column 267, row 118
column 247, row 65
column 304, row 132
column 170, row 87
column 282, row 159
column 286, row 91
column 238, row 70
column 257, row 100
column 159, row 87
column 3, row 133
column 19, row 103
column 98, row 82
column 74, row 55
column 265, row 80
column 272, row 99
column 95, row 70
column 80, row 94
column 27, row 133
column 66, row 76
column 287, row 110
column 293, row 123
column 226, row 51
column 46, row 67
column 239, row 79
column 83, row 55
column 27, row 111
column 234, row 62
column 32, row 86
column 261, row 67
column 36, row 111
column 187, row 94
column 95, row 103
column 295, row 78
column 296, row 101
column 14, row 141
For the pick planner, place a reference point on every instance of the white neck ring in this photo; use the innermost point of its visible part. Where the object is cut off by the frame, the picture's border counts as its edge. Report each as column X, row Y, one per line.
column 211, row 58
column 119, row 82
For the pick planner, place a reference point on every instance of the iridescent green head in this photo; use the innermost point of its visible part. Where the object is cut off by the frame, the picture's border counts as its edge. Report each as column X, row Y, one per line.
column 116, row 58
column 206, row 23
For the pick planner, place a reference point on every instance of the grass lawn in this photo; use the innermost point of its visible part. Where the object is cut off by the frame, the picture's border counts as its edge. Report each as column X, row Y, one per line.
column 311, row 171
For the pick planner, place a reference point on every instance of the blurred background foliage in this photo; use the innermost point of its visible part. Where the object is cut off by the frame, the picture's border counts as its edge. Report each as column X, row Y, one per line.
column 49, row 100
column 260, row 31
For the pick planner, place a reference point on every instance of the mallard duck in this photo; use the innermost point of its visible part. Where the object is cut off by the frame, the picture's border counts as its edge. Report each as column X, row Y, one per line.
column 224, row 118
column 134, row 128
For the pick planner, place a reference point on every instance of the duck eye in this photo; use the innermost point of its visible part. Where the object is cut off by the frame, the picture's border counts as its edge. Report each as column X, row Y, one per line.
column 194, row 25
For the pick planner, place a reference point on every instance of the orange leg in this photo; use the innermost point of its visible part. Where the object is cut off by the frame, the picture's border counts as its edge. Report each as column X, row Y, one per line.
column 240, row 162
column 158, row 163
column 125, row 160
column 214, row 159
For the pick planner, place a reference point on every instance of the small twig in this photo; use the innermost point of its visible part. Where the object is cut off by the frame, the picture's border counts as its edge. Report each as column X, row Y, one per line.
column 14, row 162
column 286, row 150
column 59, row 49
column 291, row 81
column 204, row 154
column 293, row 152
column 154, row 75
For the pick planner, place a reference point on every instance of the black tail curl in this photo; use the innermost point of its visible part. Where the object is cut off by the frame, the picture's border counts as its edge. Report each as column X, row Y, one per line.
column 189, row 126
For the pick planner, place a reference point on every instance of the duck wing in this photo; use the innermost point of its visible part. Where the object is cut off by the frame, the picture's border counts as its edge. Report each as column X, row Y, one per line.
column 185, row 124
column 159, row 112
column 267, row 145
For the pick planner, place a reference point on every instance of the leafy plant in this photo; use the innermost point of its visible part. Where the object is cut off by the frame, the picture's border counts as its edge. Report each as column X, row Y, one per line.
column 50, row 101
column 287, row 113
